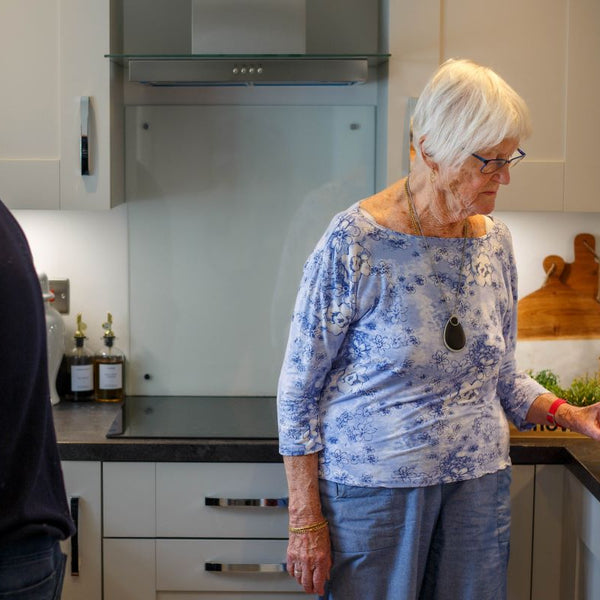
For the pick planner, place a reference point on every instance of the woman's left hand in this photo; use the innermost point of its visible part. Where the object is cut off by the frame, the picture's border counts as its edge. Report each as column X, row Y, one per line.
column 582, row 419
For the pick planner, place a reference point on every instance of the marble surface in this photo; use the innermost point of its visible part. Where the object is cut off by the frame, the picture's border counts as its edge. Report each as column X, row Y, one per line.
column 81, row 432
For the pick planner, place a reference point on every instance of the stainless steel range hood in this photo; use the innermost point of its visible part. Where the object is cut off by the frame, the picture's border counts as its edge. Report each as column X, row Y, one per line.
column 256, row 42
column 249, row 70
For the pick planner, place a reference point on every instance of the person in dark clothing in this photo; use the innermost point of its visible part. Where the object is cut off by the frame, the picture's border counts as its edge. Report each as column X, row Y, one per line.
column 34, row 513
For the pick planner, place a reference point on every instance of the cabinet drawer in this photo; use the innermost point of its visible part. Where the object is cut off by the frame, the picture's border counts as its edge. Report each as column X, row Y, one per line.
column 181, row 566
column 182, row 490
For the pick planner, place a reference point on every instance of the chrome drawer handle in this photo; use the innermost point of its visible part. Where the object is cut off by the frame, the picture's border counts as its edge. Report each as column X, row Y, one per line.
column 260, row 502
column 244, row 568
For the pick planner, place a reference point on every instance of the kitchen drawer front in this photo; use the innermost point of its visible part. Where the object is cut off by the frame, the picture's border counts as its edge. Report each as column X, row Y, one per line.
column 180, row 566
column 129, row 499
column 182, row 490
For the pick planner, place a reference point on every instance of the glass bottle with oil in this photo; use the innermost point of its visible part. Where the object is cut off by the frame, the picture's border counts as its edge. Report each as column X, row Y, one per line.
column 109, row 368
column 80, row 368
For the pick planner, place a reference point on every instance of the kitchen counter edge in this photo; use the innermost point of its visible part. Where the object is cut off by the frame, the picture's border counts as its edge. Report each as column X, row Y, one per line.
column 81, row 435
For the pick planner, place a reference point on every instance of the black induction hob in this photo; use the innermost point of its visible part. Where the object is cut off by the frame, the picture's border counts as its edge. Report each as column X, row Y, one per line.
column 211, row 417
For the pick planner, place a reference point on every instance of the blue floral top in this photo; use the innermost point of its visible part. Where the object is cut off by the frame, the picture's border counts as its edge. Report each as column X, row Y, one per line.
column 367, row 381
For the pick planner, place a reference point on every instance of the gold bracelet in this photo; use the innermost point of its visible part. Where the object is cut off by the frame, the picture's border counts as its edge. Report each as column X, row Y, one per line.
column 307, row 528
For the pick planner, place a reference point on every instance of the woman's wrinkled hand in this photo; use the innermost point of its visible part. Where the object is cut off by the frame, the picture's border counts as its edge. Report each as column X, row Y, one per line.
column 309, row 559
column 582, row 419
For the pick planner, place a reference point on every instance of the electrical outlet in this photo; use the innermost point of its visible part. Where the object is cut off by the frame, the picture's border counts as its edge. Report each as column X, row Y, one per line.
column 60, row 289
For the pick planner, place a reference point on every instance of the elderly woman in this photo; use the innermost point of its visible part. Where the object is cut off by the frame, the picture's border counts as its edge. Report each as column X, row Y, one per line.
column 400, row 374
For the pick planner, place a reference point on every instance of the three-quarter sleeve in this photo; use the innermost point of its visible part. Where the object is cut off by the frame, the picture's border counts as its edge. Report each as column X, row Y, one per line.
column 324, row 310
column 517, row 390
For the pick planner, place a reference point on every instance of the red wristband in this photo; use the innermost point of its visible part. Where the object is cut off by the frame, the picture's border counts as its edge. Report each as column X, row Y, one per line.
column 552, row 411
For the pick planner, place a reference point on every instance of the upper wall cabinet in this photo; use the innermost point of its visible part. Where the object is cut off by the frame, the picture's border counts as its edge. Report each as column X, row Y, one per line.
column 583, row 115
column 57, row 150
column 548, row 51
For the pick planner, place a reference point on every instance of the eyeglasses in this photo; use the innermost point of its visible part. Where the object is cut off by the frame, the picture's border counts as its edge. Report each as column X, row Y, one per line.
column 491, row 165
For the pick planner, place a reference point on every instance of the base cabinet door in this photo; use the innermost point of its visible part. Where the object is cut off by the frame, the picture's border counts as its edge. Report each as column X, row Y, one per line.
column 521, row 532
column 548, row 531
column 83, row 576
column 129, row 569
column 580, row 565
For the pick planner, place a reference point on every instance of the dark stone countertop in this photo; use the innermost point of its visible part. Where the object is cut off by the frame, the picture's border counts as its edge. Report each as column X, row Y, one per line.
column 81, row 432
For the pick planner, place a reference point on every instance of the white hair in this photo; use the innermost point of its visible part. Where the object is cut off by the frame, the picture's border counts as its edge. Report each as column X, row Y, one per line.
column 467, row 108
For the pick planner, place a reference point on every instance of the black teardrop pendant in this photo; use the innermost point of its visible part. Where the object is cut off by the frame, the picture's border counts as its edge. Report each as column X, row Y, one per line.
column 454, row 335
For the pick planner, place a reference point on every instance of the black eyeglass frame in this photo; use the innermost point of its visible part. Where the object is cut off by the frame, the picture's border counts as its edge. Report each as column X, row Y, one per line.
column 500, row 162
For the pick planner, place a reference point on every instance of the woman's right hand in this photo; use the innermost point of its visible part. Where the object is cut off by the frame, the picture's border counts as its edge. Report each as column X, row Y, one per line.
column 309, row 559
column 309, row 551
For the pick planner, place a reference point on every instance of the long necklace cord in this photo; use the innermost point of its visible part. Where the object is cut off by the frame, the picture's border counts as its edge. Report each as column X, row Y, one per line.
column 453, row 335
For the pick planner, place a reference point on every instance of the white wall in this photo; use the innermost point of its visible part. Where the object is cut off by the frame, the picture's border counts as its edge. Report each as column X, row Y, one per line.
column 90, row 249
column 535, row 236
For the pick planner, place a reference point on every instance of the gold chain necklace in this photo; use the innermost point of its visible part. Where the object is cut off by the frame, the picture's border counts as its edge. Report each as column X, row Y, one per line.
column 454, row 334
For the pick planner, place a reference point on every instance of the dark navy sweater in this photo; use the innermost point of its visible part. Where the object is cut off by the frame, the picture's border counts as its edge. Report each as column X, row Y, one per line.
column 32, row 495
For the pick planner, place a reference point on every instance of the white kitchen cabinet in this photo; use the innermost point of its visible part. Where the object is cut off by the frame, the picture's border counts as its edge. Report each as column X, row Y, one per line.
column 546, row 51
column 521, row 532
column 583, row 118
column 537, row 527
column 564, row 562
column 129, row 500
column 172, row 530
column 580, row 564
column 548, row 527
column 83, row 485
column 159, row 531
column 530, row 54
column 53, row 54
column 129, row 569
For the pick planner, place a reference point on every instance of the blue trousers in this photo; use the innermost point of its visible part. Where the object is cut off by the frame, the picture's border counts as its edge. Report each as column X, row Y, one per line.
column 31, row 569
column 442, row 542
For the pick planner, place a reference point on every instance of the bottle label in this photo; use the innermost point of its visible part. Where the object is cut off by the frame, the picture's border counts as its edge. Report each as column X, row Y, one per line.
column 110, row 376
column 82, row 378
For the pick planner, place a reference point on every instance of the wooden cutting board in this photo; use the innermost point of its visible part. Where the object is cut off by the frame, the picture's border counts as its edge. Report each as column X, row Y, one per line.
column 566, row 305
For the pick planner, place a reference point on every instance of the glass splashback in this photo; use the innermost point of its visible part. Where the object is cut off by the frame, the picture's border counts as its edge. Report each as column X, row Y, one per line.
column 224, row 205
